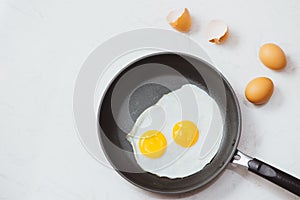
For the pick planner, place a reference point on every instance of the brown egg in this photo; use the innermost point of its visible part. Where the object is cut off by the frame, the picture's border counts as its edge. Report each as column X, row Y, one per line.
column 272, row 56
column 259, row 90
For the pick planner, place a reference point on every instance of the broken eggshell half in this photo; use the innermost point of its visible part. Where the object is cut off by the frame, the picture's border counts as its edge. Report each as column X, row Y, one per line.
column 217, row 31
column 180, row 19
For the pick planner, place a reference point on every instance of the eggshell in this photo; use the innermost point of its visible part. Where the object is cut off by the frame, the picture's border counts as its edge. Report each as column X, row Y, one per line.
column 272, row 56
column 259, row 90
column 180, row 19
column 217, row 31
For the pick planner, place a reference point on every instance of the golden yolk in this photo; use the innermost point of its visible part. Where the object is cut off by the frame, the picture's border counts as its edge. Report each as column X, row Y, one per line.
column 185, row 133
column 153, row 144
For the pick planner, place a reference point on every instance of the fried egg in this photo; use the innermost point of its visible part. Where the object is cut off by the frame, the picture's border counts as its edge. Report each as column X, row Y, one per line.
column 179, row 135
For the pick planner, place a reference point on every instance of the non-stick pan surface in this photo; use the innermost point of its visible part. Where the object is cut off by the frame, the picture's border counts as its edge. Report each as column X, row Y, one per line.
column 141, row 85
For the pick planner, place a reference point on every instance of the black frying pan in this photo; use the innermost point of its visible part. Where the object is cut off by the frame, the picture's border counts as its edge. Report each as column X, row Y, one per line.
column 141, row 85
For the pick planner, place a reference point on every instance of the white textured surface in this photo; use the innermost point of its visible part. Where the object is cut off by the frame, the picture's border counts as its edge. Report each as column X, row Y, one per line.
column 42, row 46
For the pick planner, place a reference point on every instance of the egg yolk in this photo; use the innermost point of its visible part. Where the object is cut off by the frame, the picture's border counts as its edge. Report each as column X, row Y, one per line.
column 185, row 133
column 153, row 144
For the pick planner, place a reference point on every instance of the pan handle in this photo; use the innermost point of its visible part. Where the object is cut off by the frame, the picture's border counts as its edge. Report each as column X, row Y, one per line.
column 268, row 172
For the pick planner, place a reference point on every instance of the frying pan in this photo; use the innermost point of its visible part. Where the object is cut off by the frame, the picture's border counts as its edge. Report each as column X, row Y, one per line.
column 140, row 85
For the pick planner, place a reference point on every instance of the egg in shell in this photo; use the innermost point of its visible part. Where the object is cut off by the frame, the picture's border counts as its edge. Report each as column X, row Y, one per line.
column 272, row 56
column 259, row 90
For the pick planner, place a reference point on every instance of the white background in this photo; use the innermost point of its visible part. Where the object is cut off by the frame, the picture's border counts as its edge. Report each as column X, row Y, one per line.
column 43, row 44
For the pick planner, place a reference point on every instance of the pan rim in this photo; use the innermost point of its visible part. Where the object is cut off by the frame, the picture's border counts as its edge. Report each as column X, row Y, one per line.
column 234, row 146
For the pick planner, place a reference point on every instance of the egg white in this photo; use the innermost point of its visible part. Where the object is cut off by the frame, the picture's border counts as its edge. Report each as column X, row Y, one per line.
column 187, row 103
